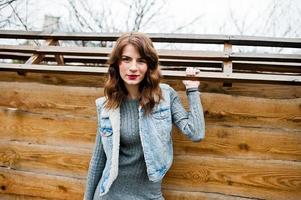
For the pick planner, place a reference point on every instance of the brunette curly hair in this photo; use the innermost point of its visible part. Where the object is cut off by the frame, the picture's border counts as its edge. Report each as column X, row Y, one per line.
column 115, row 90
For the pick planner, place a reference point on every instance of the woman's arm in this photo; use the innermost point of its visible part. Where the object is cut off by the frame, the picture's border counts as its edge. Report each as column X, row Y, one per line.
column 191, row 123
column 96, row 166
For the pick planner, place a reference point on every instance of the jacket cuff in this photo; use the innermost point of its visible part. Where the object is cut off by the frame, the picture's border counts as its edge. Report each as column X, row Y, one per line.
column 189, row 90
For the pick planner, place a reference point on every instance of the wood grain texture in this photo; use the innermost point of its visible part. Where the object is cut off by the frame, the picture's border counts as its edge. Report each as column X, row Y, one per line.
column 251, row 149
column 81, row 101
column 226, row 140
column 40, row 185
column 20, row 197
column 47, row 129
column 245, row 143
column 249, row 106
column 243, row 89
column 212, row 75
column 246, row 178
column 183, row 195
column 41, row 98
column 53, row 160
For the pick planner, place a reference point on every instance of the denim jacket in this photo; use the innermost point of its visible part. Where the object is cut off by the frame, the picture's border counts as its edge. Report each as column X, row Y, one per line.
column 155, row 134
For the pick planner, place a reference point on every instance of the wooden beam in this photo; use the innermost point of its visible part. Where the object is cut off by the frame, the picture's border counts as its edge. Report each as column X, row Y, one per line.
column 36, row 58
column 256, row 66
column 166, row 54
column 59, row 59
column 159, row 37
column 265, row 57
column 212, row 76
column 288, row 67
column 238, row 77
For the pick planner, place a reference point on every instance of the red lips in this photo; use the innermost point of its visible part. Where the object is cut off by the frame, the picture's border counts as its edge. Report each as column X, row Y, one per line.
column 132, row 77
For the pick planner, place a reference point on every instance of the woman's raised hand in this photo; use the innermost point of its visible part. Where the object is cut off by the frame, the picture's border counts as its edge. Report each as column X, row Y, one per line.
column 191, row 71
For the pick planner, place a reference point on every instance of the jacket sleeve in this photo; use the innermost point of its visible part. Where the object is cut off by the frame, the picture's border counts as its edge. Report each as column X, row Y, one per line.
column 191, row 123
column 96, row 165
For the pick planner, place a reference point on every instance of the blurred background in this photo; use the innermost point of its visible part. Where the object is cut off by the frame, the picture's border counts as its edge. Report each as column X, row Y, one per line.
column 276, row 18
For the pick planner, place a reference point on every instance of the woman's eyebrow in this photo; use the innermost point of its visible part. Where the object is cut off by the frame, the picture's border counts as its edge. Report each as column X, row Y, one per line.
column 126, row 56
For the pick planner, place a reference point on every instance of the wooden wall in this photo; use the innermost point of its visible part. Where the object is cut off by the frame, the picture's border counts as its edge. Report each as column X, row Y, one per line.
column 252, row 148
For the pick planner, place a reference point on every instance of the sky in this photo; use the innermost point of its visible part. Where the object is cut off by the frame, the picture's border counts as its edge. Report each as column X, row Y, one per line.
column 242, row 17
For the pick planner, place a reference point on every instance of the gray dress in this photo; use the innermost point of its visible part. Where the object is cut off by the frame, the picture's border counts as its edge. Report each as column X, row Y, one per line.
column 132, row 182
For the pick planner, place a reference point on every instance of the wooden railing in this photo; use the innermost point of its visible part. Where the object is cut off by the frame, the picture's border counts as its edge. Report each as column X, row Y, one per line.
column 225, row 66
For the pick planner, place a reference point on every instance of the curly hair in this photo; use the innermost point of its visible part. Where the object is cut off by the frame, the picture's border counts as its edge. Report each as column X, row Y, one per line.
column 115, row 90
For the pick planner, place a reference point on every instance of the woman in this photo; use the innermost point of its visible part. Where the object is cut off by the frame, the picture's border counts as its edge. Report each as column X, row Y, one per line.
column 133, row 149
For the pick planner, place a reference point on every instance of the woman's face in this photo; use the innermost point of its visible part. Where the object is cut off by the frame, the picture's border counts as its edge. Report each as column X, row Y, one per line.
column 132, row 67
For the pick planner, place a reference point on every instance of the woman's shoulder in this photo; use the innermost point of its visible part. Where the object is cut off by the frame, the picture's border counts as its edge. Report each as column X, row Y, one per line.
column 165, row 86
column 100, row 101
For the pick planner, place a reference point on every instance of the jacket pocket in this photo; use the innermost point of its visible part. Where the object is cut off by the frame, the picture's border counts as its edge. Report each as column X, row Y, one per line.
column 161, row 113
column 105, row 127
column 161, row 122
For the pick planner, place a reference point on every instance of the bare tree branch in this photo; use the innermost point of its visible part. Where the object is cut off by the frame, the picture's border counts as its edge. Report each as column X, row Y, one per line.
column 5, row 3
column 193, row 21
column 81, row 19
column 19, row 18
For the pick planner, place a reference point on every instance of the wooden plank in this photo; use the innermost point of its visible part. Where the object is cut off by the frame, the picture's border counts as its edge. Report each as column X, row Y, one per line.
column 265, row 57
column 80, row 101
column 237, row 89
column 50, row 99
column 68, row 161
column 47, row 129
column 231, row 139
column 237, row 77
column 102, row 60
column 243, row 89
column 252, row 122
column 86, row 51
column 97, row 51
column 167, row 54
column 256, row 67
column 250, row 106
column 34, row 184
column 239, row 177
column 55, row 79
column 267, row 66
column 243, row 142
column 18, row 48
column 20, row 197
column 265, row 41
column 59, row 36
column 179, row 75
column 159, row 37
column 183, row 195
column 192, row 55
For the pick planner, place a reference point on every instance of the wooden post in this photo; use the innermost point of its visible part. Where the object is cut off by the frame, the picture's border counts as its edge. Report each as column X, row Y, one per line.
column 227, row 64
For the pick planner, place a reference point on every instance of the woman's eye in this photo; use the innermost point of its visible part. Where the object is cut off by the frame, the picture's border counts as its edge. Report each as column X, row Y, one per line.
column 125, row 59
column 142, row 61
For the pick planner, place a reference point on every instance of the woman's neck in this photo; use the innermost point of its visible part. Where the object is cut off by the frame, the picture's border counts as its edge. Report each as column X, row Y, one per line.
column 133, row 91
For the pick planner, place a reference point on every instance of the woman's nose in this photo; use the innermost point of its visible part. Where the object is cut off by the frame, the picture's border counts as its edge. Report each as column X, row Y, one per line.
column 133, row 66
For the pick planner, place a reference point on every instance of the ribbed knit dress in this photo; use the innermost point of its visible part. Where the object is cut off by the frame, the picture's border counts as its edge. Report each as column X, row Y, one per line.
column 132, row 182
column 132, row 175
